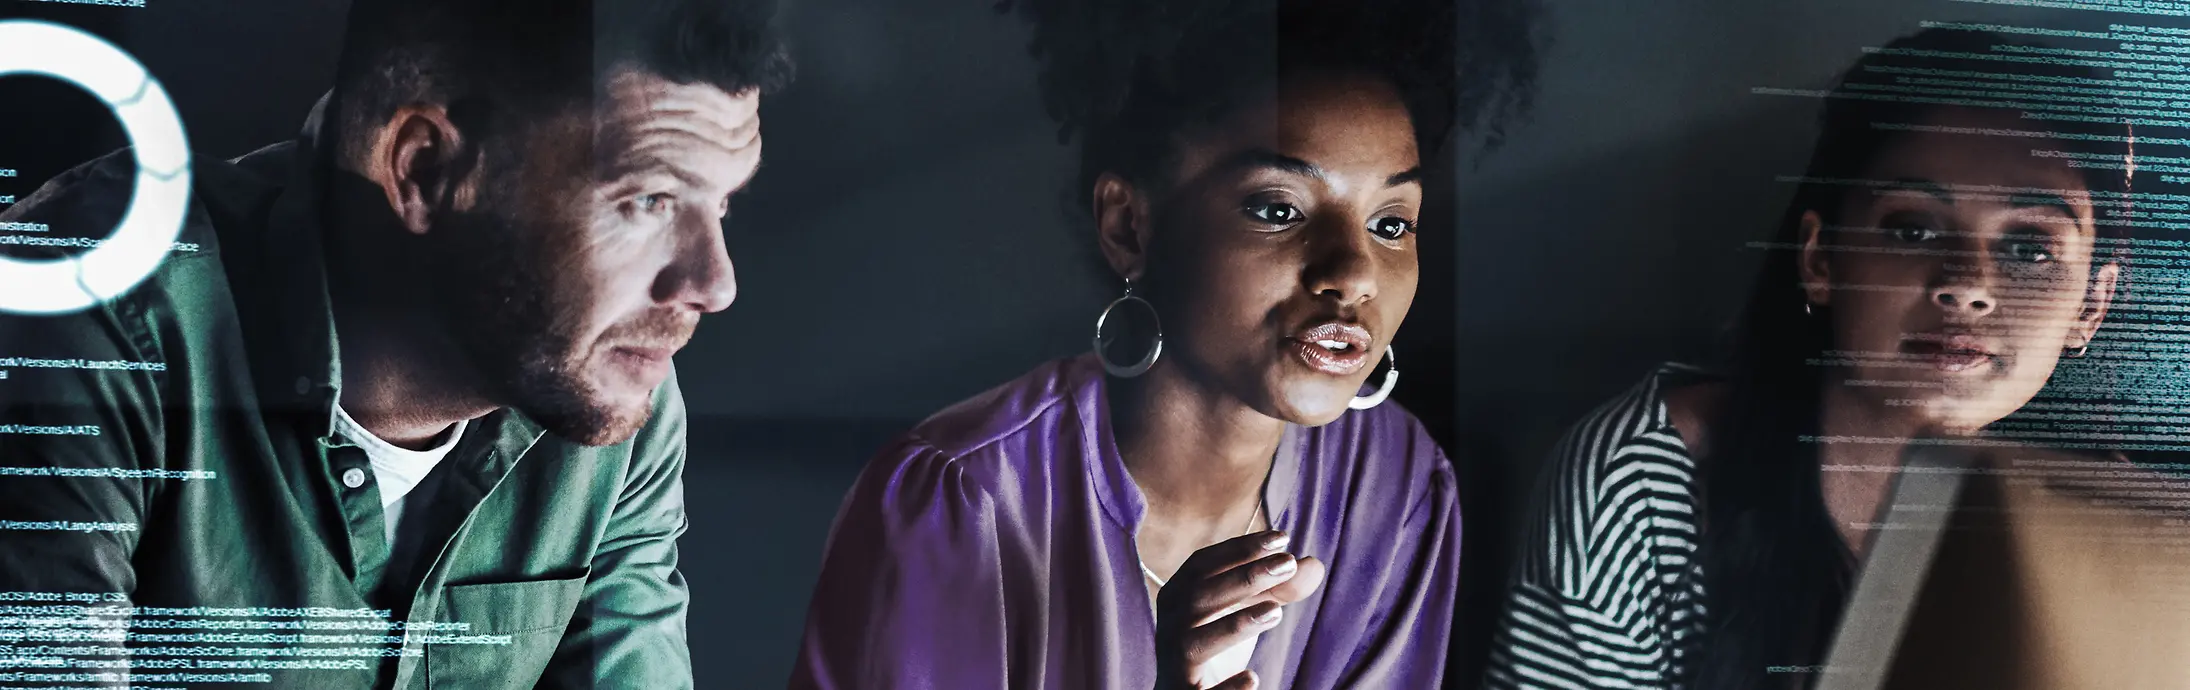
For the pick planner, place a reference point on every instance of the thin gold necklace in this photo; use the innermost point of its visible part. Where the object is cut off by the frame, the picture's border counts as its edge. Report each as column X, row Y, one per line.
column 1159, row 581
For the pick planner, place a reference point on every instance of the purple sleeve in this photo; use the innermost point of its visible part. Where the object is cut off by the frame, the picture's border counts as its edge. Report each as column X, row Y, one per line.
column 1413, row 613
column 910, row 593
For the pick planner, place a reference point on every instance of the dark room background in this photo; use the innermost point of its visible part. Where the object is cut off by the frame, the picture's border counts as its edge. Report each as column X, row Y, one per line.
column 906, row 244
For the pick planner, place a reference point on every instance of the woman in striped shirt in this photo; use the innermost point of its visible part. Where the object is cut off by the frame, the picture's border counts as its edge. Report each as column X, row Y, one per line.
column 1703, row 530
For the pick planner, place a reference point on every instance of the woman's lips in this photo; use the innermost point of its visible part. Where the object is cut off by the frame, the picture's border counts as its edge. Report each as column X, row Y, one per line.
column 1333, row 348
column 1952, row 354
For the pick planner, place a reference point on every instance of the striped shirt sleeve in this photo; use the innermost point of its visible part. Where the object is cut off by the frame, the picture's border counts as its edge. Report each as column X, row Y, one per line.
column 1605, row 595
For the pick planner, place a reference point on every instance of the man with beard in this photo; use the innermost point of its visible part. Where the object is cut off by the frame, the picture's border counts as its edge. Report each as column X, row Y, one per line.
column 405, row 417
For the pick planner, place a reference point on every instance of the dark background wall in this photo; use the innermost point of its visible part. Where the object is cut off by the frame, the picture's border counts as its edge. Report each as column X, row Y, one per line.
column 906, row 244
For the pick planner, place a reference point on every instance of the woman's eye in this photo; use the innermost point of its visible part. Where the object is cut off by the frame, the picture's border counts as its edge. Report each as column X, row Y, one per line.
column 1275, row 214
column 2029, row 252
column 1914, row 233
column 1391, row 227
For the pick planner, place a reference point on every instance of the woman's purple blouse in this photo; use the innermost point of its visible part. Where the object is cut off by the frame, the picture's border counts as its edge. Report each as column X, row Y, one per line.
column 993, row 547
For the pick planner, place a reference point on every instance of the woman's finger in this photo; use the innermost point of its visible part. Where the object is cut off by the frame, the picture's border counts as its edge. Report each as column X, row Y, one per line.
column 1205, row 642
column 1234, row 589
column 1304, row 582
column 1230, row 553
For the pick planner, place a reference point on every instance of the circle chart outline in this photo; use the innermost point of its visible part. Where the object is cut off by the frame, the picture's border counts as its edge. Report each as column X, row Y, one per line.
column 141, row 240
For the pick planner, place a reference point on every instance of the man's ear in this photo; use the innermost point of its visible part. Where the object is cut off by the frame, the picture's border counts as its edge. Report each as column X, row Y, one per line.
column 421, row 162
column 1121, row 225
column 1812, row 261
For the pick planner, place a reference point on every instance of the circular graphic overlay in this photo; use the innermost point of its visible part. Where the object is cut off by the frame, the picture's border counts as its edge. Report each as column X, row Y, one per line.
column 155, row 213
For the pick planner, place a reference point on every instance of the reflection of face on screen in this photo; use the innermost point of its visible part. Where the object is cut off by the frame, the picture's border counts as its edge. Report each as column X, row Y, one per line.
column 1952, row 301
column 1286, row 248
column 582, row 269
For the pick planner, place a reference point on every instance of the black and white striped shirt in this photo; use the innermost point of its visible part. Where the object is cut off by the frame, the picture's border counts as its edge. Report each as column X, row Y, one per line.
column 1608, row 593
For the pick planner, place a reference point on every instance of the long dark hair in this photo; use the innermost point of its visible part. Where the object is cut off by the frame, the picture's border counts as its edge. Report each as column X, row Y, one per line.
column 1776, row 572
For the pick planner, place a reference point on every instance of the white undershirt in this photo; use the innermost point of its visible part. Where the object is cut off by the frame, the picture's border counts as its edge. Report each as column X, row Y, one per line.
column 396, row 470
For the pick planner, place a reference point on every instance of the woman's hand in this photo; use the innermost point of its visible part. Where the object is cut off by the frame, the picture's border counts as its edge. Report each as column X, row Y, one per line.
column 1224, row 595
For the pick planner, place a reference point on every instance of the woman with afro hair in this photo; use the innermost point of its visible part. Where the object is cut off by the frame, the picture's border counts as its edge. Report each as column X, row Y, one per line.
column 1218, row 494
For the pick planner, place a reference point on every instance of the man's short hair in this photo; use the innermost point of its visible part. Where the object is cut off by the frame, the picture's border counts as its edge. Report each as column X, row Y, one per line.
column 498, row 62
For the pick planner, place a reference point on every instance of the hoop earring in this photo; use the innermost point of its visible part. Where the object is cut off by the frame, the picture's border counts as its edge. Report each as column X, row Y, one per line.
column 1154, row 350
column 1391, row 381
column 1808, row 310
column 2080, row 351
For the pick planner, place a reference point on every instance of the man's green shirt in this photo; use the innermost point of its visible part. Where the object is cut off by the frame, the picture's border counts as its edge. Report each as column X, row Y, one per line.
column 172, row 450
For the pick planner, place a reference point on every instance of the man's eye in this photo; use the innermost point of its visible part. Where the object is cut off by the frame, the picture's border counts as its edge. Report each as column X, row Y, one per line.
column 1391, row 227
column 1275, row 214
column 651, row 204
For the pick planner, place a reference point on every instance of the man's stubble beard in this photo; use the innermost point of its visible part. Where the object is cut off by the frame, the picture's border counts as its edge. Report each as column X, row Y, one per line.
column 516, row 326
